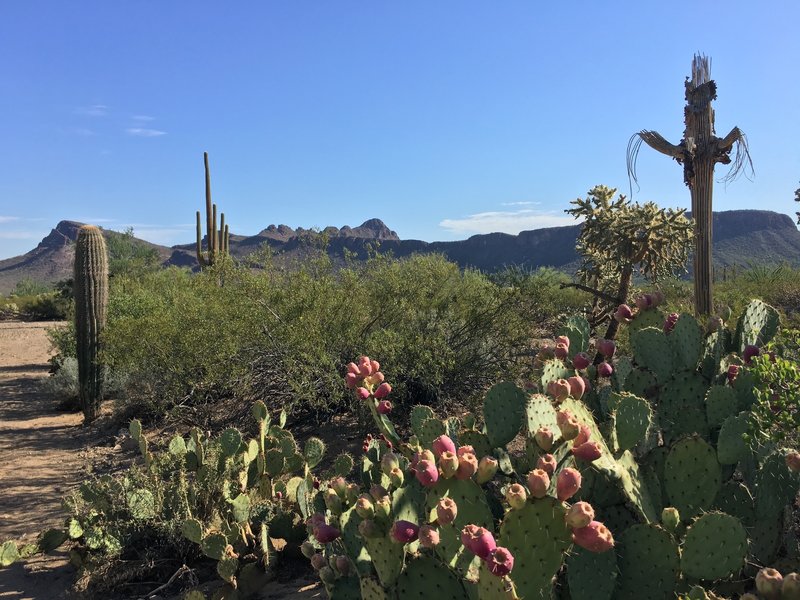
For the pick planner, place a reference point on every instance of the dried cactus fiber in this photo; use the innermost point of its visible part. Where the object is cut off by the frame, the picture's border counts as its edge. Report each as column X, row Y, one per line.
column 91, row 299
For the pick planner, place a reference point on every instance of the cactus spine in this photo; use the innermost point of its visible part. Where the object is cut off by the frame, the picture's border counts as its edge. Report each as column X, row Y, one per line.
column 217, row 241
column 91, row 299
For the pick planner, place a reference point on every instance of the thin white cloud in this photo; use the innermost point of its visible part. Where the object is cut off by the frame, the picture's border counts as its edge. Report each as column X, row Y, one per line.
column 506, row 222
column 527, row 203
column 94, row 110
column 143, row 118
column 20, row 235
column 144, row 132
column 97, row 220
column 4, row 219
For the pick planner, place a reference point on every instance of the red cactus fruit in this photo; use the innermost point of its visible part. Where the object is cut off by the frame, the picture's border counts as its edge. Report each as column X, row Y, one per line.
column 466, row 449
column 595, row 537
column 500, row 562
column 568, row 424
column 427, row 473
column 383, row 390
column 623, row 314
column 561, row 351
column 478, row 540
column 428, row 536
column 606, row 347
column 749, row 353
column 404, row 532
column 584, row 435
column 587, row 452
column 580, row 515
column 568, row 483
column 538, row 482
column 793, row 461
column 384, row 407
column 581, row 360
column 467, row 466
column 325, row 534
column 577, row 387
column 769, row 583
column 446, row 511
column 544, row 438
column 605, row 369
column 547, row 463
column 442, row 444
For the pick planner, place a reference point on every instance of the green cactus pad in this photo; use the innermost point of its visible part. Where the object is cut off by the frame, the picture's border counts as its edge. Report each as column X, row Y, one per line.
column 745, row 386
column 537, row 537
column 652, row 317
column 409, row 503
column 686, row 340
column 731, row 447
column 135, row 429
column 632, row 418
column 240, row 506
column 540, row 413
column 617, row 518
column 192, row 530
column 295, row 463
column 8, row 554
column 213, row 545
column 554, row 369
column 141, row 504
column 251, row 451
column 652, row 350
column 452, row 426
column 641, row 382
column 491, row 587
column 194, row 595
column 775, row 487
column 735, row 499
column 226, row 592
column 74, row 529
column 577, row 329
column 387, row 558
column 313, row 451
column 343, row 464
column 371, row 589
column 420, row 414
column 715, row 347
column 648, row 564
column 423, row 575
column 177, row 446
column 429, row 430
column 635, row 489
column 653, row 474
column 721, row 403
column 227, row 568
column 591, row 575
column 622, row 369
column 252, row 579
column 274, row 462
column 765, row 540
column 692, row 476
column 715, row 547
column 478, row 441
column 503, row 413
column 757, row 325
column 353, row 542
column 259, row 411
column 472, row 509
column 585, row 417
column 230, row 441
column 682, row 410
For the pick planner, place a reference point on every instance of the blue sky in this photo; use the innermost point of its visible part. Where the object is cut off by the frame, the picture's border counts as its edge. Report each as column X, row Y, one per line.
column 443, row 118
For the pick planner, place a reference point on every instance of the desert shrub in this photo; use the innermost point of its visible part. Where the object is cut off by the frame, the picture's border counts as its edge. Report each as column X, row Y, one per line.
column 63, row 383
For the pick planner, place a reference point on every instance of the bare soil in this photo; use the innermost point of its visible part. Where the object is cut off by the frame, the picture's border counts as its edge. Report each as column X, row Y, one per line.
column 44, row 454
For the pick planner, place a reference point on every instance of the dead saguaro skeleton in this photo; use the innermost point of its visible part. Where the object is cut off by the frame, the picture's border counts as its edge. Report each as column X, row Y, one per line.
column 699, row 151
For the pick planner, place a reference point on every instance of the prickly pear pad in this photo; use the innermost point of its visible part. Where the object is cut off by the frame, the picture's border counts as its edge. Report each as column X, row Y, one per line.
column 647, row 318
column 641, row 382
column 632, row 418
column 731, row 447
column 635, row 489
column 429, row 430
column 775, row 487
column 622, row 369
column 420, row 414
column 715, row 547
column 652, row 350
column 387, row 558
column 353, row 542
column 491, row 587
column 425, row 578
column 721, row 403
column 692, row 476
column 554, row 369
column 591, row 575
column 540, row 413
column 686, row 340
column 648, row 564
column 478, row 441
column 371, row 589
column 577, row 329
column 681, row 408
column 503, row 413
column 537, row 536
column 757, row 325
column 735, row 499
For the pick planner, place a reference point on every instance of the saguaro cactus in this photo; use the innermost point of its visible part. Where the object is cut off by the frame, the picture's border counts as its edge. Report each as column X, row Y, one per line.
column 698, row 152
column 91, row 299
column 217, row 241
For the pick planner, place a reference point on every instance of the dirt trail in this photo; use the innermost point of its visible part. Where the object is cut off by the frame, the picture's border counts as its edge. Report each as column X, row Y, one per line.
column 40, row 459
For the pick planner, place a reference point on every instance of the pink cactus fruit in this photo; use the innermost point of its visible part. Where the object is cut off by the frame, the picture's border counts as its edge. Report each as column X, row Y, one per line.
column 342, row 565
column 563, row 339
column 442, row 444
column 749, row 353
column 404, row 532
column 587, row 386
column 422, row 455
column 389, row 461
column 362, row 393
column 547, row 463
column 516, row 496
column 467, row 466
column 544, row 438
column 339, row 485
column 466, row 449
column 318, row 561
column 396, row 476
column 644, row 302
column 428, row 536
column 567, row 424
column 364, row 507
column 568, row 483
column 561, row 351
column 383, row 390
column 581, row 361
column 790, row 590
column 605, row 369
column 733, row 371
column 353, row 368
column 384, row 407
column 560, row 389
column 427, row 473
column 584, row 435
column 669, row 322
column 538, row 483
column 769, row 583
column 588, row 451
column 369, row 529
column 315, row 520
column 595, row 537
column 351, row 380
column 580, row 515
column 375, row 378
column 546, row 352
column 623, row 314
column 500, row 562
column 478, row 540
column 448, row 463
column 377, row 492
column 325, row 534
column 606, row 347
column 793, row 461
column 576, row 387
column 364, row 366
column 446, row 511
column 487, row 467
column 375, row 365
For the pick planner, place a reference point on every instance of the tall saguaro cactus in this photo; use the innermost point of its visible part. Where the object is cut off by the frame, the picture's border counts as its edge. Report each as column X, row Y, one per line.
column 698, row 152
column 91, row 299
column 217, row 241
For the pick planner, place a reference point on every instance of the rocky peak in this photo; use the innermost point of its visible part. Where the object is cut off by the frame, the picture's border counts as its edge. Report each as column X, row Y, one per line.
column 63, row 234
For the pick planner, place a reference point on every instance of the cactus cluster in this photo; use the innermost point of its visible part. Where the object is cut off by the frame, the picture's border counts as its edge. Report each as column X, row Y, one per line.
column 636, row 480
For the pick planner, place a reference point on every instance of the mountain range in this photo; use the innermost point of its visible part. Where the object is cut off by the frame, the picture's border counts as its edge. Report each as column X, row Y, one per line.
column 741, row 237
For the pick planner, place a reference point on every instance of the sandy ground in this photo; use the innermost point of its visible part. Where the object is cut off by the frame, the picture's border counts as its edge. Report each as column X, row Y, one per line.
column 44, row 454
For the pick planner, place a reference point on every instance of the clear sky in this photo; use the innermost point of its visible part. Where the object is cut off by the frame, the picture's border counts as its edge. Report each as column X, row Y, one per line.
column 443, row 118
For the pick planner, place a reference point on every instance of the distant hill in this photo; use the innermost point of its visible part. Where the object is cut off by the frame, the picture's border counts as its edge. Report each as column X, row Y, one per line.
column 740, row 237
